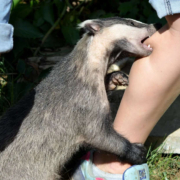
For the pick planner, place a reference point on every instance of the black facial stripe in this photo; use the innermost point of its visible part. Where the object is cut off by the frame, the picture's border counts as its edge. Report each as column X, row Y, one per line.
column 118, row 47
column 124, row 47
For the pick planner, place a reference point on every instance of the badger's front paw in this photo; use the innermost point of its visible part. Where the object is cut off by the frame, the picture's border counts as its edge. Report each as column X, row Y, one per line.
column 137, row 155
column 115, row 79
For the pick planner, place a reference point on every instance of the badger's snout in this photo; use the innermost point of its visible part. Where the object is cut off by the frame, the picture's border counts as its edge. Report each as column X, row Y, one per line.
column 146, row 47
column 151, row 29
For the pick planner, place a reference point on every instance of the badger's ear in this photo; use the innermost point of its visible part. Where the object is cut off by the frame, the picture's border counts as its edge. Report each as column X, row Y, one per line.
column 91, row 26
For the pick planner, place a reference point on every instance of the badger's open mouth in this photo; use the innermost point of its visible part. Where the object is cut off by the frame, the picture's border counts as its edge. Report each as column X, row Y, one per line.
column 148, row 47
column 142, row 41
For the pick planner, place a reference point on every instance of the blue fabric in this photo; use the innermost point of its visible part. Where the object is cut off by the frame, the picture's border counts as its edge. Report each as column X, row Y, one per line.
column 6, row 30
column 78, row 175
column 5, row 6
column 165, row 7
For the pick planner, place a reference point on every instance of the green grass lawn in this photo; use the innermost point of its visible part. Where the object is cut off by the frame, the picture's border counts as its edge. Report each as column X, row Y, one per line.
column 163, row 167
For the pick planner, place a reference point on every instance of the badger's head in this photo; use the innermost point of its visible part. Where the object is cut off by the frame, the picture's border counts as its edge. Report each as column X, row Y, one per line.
column 119, row 37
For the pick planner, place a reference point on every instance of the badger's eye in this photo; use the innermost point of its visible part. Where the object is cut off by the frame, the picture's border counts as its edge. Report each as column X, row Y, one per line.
column 132, row 24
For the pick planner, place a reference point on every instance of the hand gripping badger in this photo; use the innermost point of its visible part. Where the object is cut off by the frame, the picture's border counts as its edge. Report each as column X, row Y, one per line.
column 70, row 106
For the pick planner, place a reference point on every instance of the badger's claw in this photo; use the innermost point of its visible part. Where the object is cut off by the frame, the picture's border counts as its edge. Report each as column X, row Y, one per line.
column 137, row 155
column 115, row 79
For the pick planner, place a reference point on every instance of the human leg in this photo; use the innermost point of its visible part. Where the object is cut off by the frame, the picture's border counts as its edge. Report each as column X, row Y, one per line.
column 154, row 83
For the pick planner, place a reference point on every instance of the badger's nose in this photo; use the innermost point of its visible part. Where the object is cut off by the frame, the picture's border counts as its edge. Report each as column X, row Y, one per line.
column 158, row 26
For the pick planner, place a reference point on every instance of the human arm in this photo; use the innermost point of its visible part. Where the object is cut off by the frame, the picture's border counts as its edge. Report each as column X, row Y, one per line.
column 6, row 30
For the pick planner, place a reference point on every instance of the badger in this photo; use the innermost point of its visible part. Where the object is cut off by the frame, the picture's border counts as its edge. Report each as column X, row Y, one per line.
column 70, row 108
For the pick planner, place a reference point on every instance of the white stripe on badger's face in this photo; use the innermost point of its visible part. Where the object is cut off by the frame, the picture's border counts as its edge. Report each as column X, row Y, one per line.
column 105, row 39
column 136, row 21
column 120, row 31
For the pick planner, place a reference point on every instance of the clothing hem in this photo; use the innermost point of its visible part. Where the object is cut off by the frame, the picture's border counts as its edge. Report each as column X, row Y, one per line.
column 165, row 7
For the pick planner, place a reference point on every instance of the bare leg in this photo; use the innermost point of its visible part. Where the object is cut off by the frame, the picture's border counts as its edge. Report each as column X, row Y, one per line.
column 154, row 83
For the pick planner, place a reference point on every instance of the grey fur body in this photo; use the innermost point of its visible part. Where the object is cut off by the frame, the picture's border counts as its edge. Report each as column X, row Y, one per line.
column 67, row 109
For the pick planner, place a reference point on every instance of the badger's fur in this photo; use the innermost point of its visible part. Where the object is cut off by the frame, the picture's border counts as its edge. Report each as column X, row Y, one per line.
column 70, row 106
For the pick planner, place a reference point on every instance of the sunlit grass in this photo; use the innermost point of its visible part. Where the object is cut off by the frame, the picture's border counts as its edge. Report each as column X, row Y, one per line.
column 163, row 167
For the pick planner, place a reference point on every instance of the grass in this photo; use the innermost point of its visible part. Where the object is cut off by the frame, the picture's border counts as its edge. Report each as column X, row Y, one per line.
column 163, row 167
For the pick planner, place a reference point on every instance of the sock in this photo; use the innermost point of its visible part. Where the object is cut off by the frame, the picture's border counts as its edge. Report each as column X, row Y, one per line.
column 108, row 176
